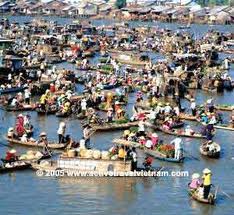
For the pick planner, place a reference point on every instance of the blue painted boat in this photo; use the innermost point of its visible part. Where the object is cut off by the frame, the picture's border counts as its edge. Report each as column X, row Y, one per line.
column 12, row 90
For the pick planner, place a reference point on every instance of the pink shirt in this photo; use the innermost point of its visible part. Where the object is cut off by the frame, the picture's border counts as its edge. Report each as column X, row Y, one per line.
column 195, row 184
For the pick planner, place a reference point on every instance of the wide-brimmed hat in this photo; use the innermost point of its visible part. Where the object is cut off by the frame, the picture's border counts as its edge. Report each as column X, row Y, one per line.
column 195, row 175
column 10, row 129
column 12, row 151
column 42, row 134
column 206, row 171
column 154, row 135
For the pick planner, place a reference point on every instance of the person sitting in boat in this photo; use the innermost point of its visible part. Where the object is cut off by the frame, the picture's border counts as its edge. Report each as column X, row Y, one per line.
column 204, row 118
column 148, row 163
column 110, row 115
column 120, row 113
column 10, row 133
column 66, row 107
column 122, row 153
column 178, row 148
column 195, row 183
column 14, row 102
column 24, row 138
column 209, row 146
column 167, row 109
column 43, row 138
column 126, row 134
column 149, row 144
column 188, row 130
column 154, row 139
column 11, row 156
column 61, row 132
column 206, row 182
column 212, row 119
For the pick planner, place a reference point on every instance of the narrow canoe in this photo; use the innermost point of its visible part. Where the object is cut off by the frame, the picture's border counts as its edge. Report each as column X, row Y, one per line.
column 47, row 112
column 34, row 144
column 113, row 126
column 210, row 200
column 160, row 156
column 18, row 165
column 62, row 115
column 12, row 90
column 23, row 107
column 181, row 134
column 224, row 108
column 210, row 154
column 224, row 127
column 186, row 116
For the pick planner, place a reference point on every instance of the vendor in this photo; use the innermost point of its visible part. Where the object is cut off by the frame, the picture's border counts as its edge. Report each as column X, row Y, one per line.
column 11, row 156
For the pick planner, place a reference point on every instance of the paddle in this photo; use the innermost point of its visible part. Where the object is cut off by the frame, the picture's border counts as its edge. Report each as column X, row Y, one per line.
column 222, row 192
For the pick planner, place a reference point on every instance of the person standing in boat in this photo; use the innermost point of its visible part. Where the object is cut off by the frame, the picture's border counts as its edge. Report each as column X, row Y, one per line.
column 206, row 182
column 86, row 135
column 178, row 147
column 61, row 132
column 193, row 107
column 133, row 155
column 27, row 95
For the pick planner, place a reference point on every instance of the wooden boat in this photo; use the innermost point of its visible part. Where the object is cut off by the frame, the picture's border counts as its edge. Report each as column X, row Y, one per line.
column 186, row 116
column 224, row 127
column 85, row 167
column 12, row 90
column 225, row 107
column 14, row 166
column 113, row 126
column 23, row 107
column 211, row 154
column 211, row 199
column 154, row 153
column 129, row 59
column 34, row 144
column 62, row 115
column 181, row 133
column 46, row 112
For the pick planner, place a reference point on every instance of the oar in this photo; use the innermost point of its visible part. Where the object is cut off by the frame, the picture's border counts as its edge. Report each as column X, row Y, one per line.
column 226, row 194
column 222, row 192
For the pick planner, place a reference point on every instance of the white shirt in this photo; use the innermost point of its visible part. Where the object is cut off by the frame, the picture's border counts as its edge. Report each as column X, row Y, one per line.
column 14, row 101
column 167, row 109
column 177, row 143
column 148, row 144
column 193, row 105
column 141, row 126
column 83, row 105
column 61, row 130
column 82, row 144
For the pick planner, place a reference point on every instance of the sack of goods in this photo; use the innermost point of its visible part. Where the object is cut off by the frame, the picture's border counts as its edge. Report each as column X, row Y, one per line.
column 96, row 154
column 83, row 153
column 71, row 153
column 38, row 154
column 89, row 154
column 114, row 157
column 105, row 155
